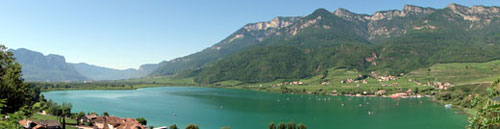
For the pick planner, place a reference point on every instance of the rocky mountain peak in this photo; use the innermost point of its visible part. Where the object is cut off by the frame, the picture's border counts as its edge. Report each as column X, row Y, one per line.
column 475, row 13
column 407, row 10
column 456, row 7
column 389, row 14
column 343, row 12
column 348, row 15
column 277, row 22
column 485, row 10
column 56, row 58
column 417, row 9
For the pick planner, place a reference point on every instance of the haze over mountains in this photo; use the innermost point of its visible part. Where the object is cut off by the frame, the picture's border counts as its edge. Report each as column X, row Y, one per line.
column 103, row 73
column 38, row 67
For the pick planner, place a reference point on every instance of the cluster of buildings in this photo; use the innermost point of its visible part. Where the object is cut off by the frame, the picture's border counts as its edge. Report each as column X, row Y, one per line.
column 96, row 122
column 442, row 86
column 349, row 80
column 408, row 94
column 290, row 83
column 386, row 78
column 110, row 122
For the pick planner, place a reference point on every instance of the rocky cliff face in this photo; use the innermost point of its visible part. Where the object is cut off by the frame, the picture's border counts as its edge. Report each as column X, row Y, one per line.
column 260, row 30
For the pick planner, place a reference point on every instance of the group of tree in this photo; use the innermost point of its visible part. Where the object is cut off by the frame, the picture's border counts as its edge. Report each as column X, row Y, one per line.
column 16, row 97
column 488, row 116
column 289, row 125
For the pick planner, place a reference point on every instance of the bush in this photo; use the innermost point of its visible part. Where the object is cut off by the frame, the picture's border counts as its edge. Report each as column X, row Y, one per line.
column 192, row 126
column 173, row 126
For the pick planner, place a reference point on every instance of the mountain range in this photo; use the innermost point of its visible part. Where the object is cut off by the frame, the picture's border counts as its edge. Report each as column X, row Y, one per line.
column 390, row 42
column 387, row 42
column 39, row 67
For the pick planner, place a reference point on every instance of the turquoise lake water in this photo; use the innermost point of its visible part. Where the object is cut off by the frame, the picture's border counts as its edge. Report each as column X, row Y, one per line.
column 212, row 108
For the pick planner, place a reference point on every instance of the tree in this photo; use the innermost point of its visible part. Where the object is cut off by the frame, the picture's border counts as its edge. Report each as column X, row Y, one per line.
column 272, row 126
column 174, row 126
column 105, row 114
column 488, row 117
column 11, row 122
column 301, row 126
column 65, row 112
column 192, row 126
column 79, row 116
column 14, row 91
column 281, row 125
column 142, row 120
column 291, row 125
column 2, row 101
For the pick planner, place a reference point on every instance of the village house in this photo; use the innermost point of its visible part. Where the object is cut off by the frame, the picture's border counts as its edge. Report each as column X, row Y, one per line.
column 409, row 91
column 88, row 118
column 43, row 124
column 112, row 122
column 381, row 92
column 349, row 80
column 399, row 95
column 442, row 86
column 386, row 78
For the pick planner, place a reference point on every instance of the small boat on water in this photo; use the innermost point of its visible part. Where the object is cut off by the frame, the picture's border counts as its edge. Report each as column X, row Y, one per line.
column 447, row 106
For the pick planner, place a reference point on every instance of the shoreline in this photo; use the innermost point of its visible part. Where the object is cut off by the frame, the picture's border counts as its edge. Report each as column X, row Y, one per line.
column 135, row 87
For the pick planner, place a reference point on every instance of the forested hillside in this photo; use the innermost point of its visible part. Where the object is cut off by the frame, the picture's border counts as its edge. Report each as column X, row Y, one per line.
column 390, row 42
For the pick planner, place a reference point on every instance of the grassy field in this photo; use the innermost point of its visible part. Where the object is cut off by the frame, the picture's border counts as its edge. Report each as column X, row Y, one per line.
column 334, row 77
column 459, row 73
column 477, row 76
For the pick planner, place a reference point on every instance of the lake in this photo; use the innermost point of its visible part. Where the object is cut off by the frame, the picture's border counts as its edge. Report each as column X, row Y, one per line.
column 212, row 108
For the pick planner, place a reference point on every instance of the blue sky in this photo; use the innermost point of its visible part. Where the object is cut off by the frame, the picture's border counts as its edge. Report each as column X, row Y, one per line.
column 127, row 33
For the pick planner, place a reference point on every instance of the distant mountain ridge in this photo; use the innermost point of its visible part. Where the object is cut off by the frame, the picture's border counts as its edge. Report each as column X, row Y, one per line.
column 392, row 41
column 102, row 73
column 37, row 67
